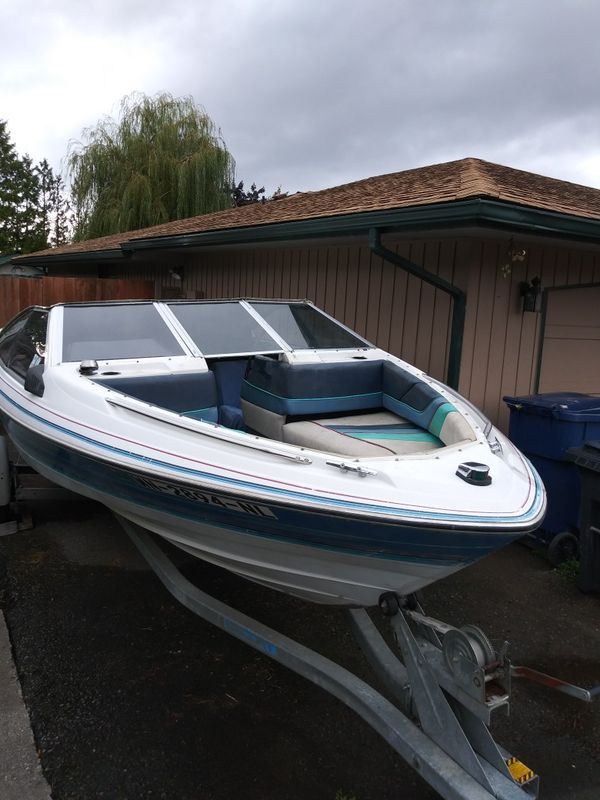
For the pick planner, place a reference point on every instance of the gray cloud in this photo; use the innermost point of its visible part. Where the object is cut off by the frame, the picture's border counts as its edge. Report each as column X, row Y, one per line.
column 313, row 94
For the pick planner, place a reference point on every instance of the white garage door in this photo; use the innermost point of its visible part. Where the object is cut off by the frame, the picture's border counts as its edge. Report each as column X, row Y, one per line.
column 571, row 348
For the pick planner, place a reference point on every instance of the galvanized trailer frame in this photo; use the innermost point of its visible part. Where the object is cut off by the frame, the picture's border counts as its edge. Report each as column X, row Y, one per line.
column 445, row 697
column 445, row 689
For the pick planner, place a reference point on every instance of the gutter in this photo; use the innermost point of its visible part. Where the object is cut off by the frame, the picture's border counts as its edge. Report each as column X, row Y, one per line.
column 77, row 257
column 452, row 214
column 458, row 296
column 456, row 213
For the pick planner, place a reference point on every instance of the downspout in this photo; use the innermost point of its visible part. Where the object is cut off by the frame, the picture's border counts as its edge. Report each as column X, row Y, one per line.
column 458, row 296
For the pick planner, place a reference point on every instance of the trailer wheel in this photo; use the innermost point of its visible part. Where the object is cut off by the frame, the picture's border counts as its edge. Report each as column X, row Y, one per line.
column 564, row 547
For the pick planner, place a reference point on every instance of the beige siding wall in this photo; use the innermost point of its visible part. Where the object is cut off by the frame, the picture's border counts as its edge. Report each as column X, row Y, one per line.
column 399, row 312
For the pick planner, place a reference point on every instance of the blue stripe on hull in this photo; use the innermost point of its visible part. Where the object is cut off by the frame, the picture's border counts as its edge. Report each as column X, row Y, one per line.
column 245, row 486
column 387, row 540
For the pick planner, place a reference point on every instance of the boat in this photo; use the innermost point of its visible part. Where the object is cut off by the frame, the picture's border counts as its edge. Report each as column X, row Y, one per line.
column 267, row 438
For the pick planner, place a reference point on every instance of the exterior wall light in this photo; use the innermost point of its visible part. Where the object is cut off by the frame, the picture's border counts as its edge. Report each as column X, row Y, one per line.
column 531, row 294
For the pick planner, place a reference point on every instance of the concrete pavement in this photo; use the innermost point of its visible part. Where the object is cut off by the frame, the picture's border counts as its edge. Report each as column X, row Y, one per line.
column 21, row 776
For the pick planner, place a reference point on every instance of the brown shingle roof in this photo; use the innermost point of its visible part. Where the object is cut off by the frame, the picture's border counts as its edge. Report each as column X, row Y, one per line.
column 439, row 183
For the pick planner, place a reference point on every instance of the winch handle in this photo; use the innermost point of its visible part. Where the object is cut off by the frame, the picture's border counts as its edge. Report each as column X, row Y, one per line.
column 535, row 676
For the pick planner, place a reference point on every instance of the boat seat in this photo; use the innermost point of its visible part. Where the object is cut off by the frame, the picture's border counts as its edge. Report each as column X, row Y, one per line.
column 380, row 433
column 310, row 404
column 229, row 374
column 192, row 394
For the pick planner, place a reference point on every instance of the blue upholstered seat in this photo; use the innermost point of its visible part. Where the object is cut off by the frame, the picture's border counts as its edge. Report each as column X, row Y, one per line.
column 192, row 394
column 229, row 374
column 405, row 413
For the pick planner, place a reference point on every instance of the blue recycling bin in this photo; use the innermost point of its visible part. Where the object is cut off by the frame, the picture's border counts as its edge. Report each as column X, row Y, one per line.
column 587, row 459
column 544, row 427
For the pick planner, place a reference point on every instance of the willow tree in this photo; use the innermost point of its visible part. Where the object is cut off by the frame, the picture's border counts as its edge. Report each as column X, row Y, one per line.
column 162, row 159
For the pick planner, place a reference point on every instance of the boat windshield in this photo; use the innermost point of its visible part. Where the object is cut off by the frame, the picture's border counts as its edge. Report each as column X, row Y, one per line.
column 109, row 331
column 104, row 332
column 303, row 326
column 224, row 328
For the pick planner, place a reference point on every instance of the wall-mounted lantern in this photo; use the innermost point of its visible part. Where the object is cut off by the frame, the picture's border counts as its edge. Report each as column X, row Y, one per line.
column 531, row 294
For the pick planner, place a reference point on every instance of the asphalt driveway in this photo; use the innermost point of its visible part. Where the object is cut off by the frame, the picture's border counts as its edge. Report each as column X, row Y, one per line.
column 131, row 696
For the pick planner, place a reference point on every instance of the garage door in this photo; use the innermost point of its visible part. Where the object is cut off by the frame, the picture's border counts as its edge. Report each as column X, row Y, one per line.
column 571, row 346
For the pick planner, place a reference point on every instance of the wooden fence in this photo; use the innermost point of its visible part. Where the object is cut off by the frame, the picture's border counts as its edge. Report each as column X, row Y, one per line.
column 17, row 293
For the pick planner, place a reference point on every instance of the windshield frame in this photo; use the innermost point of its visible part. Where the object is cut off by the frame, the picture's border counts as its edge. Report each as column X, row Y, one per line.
column 362, row 344
column 183, row 337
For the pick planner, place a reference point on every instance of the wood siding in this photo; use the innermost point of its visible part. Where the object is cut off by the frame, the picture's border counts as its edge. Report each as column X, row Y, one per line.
column 397, row 311
column 19, row 293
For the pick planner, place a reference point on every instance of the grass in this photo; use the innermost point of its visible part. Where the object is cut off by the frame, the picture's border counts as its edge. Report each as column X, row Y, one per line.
column 340, row 795
column 569, row 569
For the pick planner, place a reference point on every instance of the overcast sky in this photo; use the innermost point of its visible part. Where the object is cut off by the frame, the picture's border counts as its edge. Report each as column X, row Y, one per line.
column 314, row 93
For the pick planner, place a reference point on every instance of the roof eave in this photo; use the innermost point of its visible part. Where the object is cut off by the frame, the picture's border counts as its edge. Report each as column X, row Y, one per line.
column 455, row 214
column 477, row 211
column 86, row 255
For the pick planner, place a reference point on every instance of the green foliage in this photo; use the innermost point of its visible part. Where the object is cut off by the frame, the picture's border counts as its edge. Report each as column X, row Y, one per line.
column 20, row 228
column 569, row 569
column 241, row 197
column 164, row 159
column 60, row 213
column 31, row 197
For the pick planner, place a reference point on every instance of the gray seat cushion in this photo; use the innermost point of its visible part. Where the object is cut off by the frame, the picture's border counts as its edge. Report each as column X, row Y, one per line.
column 379, row 433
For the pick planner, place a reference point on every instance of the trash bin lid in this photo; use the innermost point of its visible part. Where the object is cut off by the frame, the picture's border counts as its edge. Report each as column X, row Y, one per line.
column 569, row 406
column 586, row 455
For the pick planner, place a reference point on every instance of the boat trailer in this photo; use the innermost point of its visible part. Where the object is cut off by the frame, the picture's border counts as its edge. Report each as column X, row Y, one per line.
column 446, row 683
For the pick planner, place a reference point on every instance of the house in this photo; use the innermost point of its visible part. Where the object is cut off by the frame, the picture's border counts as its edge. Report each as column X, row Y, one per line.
column 9, row 267
column 482, row 275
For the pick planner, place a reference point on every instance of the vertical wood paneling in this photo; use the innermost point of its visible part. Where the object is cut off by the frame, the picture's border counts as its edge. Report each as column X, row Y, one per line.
column 561, row 270
column 426, row 308
column 279, row 269
column 385, row 305
column 398, row 305
column 412, row 307
column 481, row 331
column 442, row 308
column 302, row 275
column 331, row 281
column 402, row 314
column 270, row 275
column 586, row 274
column 341, row 284
column 362, row 290
column 311, row 263
column 321, row 279
column 513, row 334
column 295, row 257
column 373, row 301
column 498, row 329
column 19, row 293
column 351, row 286
column 526, row 356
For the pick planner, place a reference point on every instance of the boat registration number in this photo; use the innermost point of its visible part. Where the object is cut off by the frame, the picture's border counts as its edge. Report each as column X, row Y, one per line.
column 199, row 496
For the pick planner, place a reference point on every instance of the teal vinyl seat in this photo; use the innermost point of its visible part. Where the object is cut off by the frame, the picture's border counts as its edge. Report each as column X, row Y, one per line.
column 355, row 408
column 379, row 433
